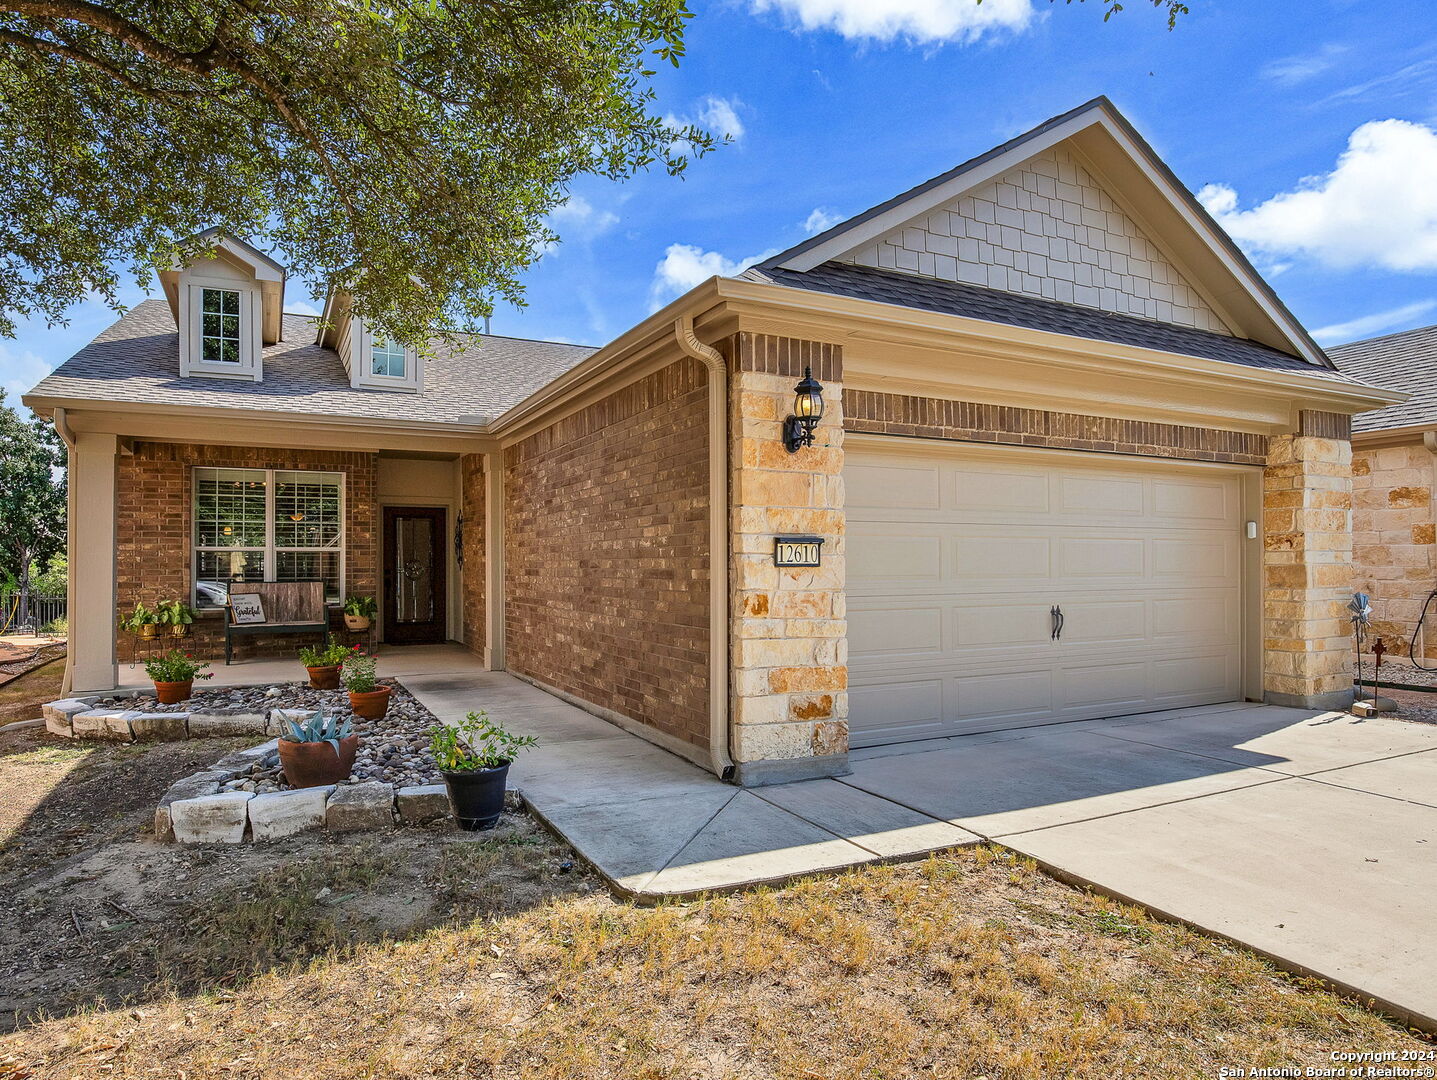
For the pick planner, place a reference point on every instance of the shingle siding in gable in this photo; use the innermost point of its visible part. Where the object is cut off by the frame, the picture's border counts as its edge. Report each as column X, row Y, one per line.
column 1047, row 229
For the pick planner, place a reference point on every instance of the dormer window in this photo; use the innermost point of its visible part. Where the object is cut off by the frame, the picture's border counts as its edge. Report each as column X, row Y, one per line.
column 219, row 326
column 387, row 359
column 227, row 305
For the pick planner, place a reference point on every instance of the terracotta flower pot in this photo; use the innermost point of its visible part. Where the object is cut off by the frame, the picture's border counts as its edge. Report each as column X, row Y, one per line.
column 148, row 632
column 357, row 622
column 324, row 678
column 371, row 705
column 315, row 764
column 172, row 693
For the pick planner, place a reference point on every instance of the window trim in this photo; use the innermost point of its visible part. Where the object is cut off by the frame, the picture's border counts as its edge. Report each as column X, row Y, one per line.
column 390, row 349
column 361, row 365
column 270, row 550
column 192, row 305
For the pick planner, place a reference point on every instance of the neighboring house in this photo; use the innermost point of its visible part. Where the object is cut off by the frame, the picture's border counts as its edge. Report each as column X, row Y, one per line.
column 1394, row 465
column 1075, row 460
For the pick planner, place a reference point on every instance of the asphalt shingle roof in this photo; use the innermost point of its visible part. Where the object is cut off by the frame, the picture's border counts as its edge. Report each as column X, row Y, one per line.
column 1406, row 362
column 137, row 360
column 1034, row 313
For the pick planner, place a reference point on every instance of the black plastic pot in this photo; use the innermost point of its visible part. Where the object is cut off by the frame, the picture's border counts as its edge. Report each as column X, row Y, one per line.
column 477, row 796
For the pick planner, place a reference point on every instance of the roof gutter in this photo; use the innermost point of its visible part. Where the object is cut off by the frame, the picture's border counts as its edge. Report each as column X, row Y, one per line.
column 722, row 761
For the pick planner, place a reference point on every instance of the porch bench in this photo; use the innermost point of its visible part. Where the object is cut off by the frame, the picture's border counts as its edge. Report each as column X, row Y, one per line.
column 290, row 607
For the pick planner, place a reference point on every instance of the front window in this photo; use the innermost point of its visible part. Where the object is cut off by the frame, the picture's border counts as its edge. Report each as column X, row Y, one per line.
column 267, row 525
column 386, row 358
column 219, row 326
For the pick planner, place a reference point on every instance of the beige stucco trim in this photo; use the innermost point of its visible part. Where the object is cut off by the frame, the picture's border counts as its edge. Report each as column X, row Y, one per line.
column 92, row 584
column 1395, row 436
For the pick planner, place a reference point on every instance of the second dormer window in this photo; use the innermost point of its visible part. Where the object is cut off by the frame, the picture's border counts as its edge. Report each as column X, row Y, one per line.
column 387, row 359
column 220, row 326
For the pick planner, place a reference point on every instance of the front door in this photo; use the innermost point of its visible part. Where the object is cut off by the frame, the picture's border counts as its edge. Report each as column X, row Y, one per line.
column 414, row 580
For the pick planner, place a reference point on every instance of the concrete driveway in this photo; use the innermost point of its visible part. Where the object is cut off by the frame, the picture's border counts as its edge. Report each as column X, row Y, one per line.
column 1310, row 837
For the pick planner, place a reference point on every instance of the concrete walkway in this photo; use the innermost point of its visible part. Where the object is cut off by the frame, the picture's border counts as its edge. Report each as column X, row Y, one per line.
column 1309, row 837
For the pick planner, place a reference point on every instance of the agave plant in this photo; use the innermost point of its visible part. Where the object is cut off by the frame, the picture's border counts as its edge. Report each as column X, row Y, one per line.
column 321, row 727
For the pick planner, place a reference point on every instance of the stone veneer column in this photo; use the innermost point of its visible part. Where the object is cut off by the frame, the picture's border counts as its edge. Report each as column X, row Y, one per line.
column 1307, row 567
column 789, row 648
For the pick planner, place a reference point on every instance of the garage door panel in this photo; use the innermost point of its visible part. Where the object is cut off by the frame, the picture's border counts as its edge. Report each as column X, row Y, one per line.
column 880, row 631
column 1001, row 491
column 1101, row 495
column 949, row 604
column 895, row 486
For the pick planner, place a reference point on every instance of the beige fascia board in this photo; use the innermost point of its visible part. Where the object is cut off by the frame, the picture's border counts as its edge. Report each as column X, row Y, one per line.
column 646, row 346
column 244, row 427
column 1393, row 436
column 845, row 319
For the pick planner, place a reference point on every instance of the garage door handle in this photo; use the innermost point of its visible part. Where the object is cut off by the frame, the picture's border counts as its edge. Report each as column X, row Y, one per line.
column 1058, row 620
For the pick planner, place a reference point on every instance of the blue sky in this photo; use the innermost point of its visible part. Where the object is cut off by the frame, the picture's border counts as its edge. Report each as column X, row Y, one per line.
column 1309, row 129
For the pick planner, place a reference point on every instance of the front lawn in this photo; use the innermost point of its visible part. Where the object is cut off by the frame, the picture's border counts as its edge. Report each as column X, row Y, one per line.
column 427, row 953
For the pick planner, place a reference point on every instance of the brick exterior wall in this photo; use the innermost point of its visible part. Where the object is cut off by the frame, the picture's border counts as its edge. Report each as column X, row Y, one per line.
column 967, row 421
column 471, row 468
column 607, row 554
column 789, row 626
column 1393, row 552
column 154, row 531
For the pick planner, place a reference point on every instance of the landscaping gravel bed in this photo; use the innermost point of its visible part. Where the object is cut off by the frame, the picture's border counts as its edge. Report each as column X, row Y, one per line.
column 392, row 750
column 1399, row 671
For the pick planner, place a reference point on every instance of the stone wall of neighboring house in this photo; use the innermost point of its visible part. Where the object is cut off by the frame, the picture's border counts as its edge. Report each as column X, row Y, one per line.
column 607, row 554
column 154, row 531
column 1393, row 533
column 471, row 468
column 789, row 626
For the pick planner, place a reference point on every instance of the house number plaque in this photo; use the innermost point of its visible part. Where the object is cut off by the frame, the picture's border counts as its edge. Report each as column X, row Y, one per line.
column 797, row 550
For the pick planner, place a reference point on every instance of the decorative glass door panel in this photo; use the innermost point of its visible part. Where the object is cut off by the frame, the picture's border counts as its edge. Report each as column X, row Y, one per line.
column 414, row 574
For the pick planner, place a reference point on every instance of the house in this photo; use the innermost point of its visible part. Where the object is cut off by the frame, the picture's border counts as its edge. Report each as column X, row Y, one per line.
column 1394, row 464
column 1074, row 459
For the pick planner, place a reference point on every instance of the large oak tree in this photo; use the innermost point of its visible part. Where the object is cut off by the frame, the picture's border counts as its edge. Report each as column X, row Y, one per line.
column 407, row 149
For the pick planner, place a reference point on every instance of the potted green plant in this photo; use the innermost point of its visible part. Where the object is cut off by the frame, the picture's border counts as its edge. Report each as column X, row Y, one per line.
column 324, row 663
column 143, row 621
column 474, row 757
column 368, row 697
column 174, row 675
column 359, row 612
column 177, row 615
column 318, row 751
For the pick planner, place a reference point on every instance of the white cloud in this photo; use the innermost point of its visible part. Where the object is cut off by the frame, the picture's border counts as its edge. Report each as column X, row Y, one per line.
column 717, row 115
column 919, row 21
column 686, row 265
column 20, row 370
column 1292, row 70
column 577, row 219
column 295, row 306
column 1380, row 322
column 1377, row 207
column 820, row 220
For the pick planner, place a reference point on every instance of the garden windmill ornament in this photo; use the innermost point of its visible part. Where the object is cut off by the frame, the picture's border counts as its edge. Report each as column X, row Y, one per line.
column 1360, row 609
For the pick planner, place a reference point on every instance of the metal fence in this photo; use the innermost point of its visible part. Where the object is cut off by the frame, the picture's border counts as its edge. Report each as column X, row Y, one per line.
column 31, row 614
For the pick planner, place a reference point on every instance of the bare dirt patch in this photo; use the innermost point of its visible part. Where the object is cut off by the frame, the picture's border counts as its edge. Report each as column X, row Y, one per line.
column 22, row 695
column 430, row 953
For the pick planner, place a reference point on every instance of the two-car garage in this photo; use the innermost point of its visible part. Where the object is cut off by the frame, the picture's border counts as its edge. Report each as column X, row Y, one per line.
column 998, row 587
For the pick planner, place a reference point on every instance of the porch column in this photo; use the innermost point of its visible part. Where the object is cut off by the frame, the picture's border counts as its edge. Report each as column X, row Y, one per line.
column 92, row 561
column 789, row 632
column 1307, row 565
column 494, row 596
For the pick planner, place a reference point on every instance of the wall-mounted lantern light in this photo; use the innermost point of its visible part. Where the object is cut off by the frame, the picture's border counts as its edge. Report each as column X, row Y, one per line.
column 798, row 429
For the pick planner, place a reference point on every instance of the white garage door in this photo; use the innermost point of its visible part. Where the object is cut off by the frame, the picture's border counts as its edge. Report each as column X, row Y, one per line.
column 957, row 556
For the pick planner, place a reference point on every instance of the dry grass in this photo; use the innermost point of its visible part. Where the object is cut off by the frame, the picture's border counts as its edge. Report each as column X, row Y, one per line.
column 973, row 964
column 21, row 698
column 426, row 953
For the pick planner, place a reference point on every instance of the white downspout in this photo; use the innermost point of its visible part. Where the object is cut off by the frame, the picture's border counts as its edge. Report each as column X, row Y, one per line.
column 67, row 436
column 718, row 543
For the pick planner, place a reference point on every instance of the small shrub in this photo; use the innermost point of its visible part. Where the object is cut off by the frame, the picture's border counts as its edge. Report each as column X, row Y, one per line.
column 358, row 674
column 176, row 666
column 332, row 654
column 476, row 742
